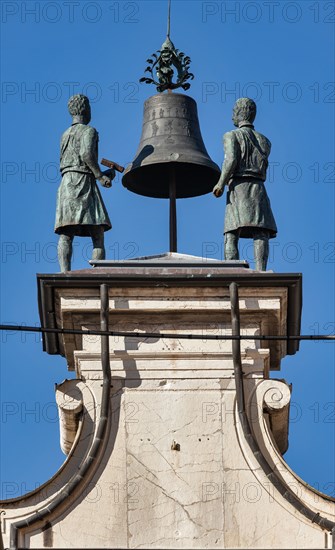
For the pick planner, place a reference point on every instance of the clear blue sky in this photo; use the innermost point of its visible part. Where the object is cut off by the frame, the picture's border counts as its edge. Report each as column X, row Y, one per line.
column 279, row 53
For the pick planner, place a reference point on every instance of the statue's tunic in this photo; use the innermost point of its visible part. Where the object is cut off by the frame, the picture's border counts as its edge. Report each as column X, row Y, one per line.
column 79, row 203
column 248, row 205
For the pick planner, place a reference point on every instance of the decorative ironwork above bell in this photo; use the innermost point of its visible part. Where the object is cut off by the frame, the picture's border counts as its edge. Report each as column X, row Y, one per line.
column 171, row 148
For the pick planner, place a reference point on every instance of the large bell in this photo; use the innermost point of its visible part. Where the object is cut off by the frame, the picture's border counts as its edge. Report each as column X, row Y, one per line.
column 171, row 151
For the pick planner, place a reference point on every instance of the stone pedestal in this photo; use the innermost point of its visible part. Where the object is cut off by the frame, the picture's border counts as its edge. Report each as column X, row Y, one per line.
column 174, row 468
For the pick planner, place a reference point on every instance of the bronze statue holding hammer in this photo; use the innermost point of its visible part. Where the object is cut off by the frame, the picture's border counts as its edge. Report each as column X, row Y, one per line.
column 80, row 209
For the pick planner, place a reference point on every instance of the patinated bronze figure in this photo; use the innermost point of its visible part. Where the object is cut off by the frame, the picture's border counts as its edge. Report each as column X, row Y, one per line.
column 80, row 208
column 248, row 210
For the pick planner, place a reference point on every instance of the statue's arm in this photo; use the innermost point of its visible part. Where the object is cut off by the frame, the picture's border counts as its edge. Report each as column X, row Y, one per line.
column 89, row 151
column 89, row 154
column 230, row 146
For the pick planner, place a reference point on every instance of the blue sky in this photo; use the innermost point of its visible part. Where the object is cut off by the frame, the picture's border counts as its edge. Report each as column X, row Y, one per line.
column 280, row 54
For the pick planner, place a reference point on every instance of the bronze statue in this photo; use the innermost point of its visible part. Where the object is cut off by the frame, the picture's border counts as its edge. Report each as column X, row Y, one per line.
column 248, row 211
column 80, row 209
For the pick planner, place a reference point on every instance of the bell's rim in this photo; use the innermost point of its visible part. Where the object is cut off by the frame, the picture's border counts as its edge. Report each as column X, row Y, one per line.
column 194, row 161
column 192, row 179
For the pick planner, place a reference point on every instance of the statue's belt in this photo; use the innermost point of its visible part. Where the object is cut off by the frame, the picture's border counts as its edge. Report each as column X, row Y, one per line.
column 246, row 177
column 76, row 169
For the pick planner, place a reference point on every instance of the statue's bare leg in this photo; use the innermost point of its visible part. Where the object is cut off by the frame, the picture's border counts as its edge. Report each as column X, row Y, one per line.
column 231, row 246
column 65, row 252
column 261, row 250
column 97, row 234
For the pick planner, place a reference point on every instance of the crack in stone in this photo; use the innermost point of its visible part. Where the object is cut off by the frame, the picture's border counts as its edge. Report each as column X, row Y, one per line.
column 172, row 468
column 166, row 494
column 142, row 464
column 140, row 520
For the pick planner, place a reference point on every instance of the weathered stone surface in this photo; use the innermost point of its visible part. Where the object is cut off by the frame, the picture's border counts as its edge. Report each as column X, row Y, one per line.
column 175, row 469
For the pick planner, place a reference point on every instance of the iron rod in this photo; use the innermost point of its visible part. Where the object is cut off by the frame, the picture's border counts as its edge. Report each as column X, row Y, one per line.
column 204, row 336
column 271, row 474
column 236, row 345
column 99, row 439
column 173, row 212
column 169, row 19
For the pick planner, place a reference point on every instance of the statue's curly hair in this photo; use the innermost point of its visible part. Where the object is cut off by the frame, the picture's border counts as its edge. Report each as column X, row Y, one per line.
column 246, row 108
column 78, row 104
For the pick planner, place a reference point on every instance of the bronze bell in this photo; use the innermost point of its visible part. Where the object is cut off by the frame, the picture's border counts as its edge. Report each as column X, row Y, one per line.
column 171, row 151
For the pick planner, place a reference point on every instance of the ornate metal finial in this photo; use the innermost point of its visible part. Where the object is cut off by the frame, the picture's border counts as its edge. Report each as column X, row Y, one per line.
column 162, row 63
